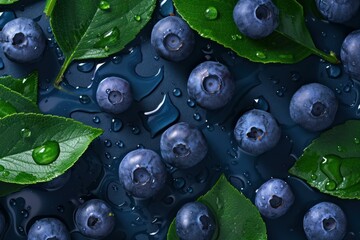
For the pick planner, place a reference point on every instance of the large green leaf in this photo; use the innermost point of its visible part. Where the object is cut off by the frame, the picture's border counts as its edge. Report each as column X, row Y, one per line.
column 331, row 163
column 27, row 131
column 83, row 30
column 8, row 1
column 13, row 102
column 236, row 217
column 290, row 43
column 26, row 86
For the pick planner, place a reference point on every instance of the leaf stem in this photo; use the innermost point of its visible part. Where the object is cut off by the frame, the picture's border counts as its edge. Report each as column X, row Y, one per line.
column 60, row 75
column 331, row 57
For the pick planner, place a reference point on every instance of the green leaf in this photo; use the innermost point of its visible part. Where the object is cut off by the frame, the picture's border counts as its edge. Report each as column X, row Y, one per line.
column 27, row 131
column 236, row 216
column 5, row 2
column 49, row 6
column 13, row 102
column 290, row 43
column 331, row 163
column 26, row 86
column 96, row 33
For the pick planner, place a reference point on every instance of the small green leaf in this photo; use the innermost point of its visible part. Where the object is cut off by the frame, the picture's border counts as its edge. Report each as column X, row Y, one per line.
column 290, row 43
column 5, row 2
column 26, row 86
column 27, row 131
column 331, row 163
column 96, row 32
column 236, row 216
column 12, row 102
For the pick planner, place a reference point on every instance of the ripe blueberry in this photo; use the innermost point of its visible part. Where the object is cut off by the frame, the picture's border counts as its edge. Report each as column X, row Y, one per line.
column 183, row 146
column 48, row 228
column 211, row 85
column 349, row 54
column 313, row 107
column 142, row 173
column 195, row 221
column 23, row 40
column 95, row 219
column 172, row 38
column 338, row 11
column 114, row 95
column 274, row 198
column 256, row 132
column 256, row 18
column 325, row 221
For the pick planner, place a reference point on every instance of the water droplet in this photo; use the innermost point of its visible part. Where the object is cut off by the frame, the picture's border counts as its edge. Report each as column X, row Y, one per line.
column 108, row 38
column 261, row 103
column 333, row 71
column 5, row 17
column 25, row 133
column 279, row 92
column 166, row 8
column 330, row 166
column 86, row 66
column 120, row 144
column 116, row 125
column 5, row 173
column 116, row 59
column 84, row 99
column 60, row 208
column 339, row 148
column 6, row 108
column 313, row 177
column 189, row 190
column 260, row 55
column 197, row 116
column 96, row 119
column 137, row 18
column 347, row 88
column 25, row 213
column 356, row 140
column 211, row 13
column 135, row 130
column 295, row 76
column 191, row 103
column 12, row 202
column 104, row 5
column 330, row 186
column 107, row 155
column 236, row 37
column 46, row 153
column 178, row 183
column 177, row 92
column 107, row 143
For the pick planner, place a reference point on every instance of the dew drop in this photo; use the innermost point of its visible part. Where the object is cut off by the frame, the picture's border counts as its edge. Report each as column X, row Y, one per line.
column 86, row 67
column 137, row 18
column 84, row 99
column 197, row 116
column 178, row 183
column 96, row 119
column 177, row 92
column 211, row 13
column 333, row 71
column 191, row 103
column 261, row 103
column 330, row 186
column 104, row 5
column 108, row 38
column 46, row 153
column 356, row 140
column 116, row 125
column 260, row 55
column 107, row 143
column 135, row 130
column 120, row 144
column 25, row 133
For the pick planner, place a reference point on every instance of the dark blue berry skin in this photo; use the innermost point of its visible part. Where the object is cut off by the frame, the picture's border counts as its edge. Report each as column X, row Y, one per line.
column 256, row 132
column 274, row 198
column 338, row 11
column 172, row 38
column 313, row 106
column 183, row 146
column 22, row 40
column 57, row 182
column 256, row 18
column 194, row 221
column 114, row 95
column 95, row 219
column 325, row 221
column 142, row 173
column 48, row 228
column 211, row 85
column 349, row 54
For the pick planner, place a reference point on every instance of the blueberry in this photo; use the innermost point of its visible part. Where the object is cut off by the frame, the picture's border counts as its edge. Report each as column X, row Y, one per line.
column 48, row 228
column 114, row 95
column 57, row 182
column 194, row 220
column 256, row 132
column 23, row 40
column 325, row 221
column 183, row 146
column 313, row 107
column 349, row 57
column 95, row 219
column 211, row 85
column 338, row 11
column 142, row 173
column 274, row 198
column 172, row 38
column 256, row 18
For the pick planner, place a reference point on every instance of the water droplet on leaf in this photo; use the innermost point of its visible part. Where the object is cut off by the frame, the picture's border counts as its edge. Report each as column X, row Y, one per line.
column 46, row 153
column 211, row 13
column 104, row 5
